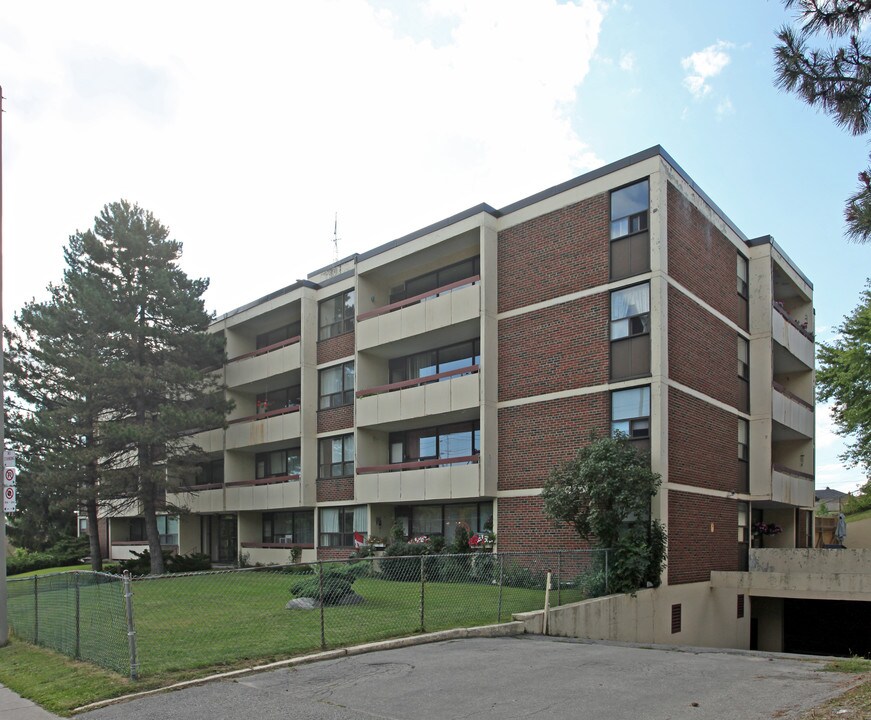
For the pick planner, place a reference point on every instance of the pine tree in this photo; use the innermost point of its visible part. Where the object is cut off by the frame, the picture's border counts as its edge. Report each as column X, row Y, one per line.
column 836, row 79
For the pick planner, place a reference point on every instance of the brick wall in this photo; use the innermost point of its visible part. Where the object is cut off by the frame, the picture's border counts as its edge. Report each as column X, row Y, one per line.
column 334, row 553
column 335, row 348
column 702, row 350
column 701, row 258
column 702, row 444
column 557, row 348
column 576, row 239
column 335, row 489
column 338, row 418
column 694, row 550
column 522, row 527
column 534, row 438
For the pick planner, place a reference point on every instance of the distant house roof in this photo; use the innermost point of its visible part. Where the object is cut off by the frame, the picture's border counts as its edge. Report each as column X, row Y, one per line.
column 829, row 494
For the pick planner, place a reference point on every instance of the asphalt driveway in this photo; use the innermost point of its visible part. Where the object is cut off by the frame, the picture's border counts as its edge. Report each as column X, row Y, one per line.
column 507, row 678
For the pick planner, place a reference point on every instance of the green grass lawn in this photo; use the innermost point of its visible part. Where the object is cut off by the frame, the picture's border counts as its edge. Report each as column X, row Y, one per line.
column 50, row 571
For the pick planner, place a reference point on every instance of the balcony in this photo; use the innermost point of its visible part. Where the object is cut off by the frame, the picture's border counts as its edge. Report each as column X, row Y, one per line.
column 440, row 479
column 273, row 426
column 447, row 305
column 266, row 362
column 457, row 389
column 272, row 493
column 199, row 498
column 789, row 334
column 794, row 414
column 791, row 487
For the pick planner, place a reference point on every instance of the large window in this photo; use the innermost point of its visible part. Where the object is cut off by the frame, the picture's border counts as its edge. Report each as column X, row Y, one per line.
column 743, row 440
column 338, row 525
column 433, row 362
column 630, row 332
column 436, row 279
column 630, row 412
column 211, row 472
column 742, row 275
column 278, row 463
column 437, row 443
column 289, row 527
column 416, row 520
column 629, row 209
column 278, row 335
column 336, row 315
column 167, row 529
column 278, row 399
column 336, row 386
column 336, row 456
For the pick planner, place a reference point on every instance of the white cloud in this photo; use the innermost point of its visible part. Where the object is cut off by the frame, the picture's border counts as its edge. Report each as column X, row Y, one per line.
column 627, row 61
column 245, row 129
column 724, row 107
column 703, row 65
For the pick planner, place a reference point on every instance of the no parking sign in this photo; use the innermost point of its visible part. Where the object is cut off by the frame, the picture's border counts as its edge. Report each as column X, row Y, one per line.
column 10, row 501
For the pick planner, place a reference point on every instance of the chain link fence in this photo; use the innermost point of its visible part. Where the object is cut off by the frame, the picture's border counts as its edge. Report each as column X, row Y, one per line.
column 80, row 614
column 227, row 617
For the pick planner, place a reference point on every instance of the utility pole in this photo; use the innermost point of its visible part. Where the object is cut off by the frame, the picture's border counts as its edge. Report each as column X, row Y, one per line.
column 4, row 622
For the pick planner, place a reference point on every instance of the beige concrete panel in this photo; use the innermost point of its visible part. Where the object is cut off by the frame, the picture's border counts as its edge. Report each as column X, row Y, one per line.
column 412, row 403
column 390, row 487
column 366, row 487
column 437, row 312
column 125, row 552
column 788, row 336
column 390, row 327
column 203, row 502
column 792, row 414
column 465, row 391
column 211, row 441
column 769, row 614
column 366, row 410
column 367, row 333
column 437, row 397
column 438, row 483
column 189, row 534
column 759, row 289
column 760, row 455
column 249, row 528
column 232, row 498
column 255, row 432
column 808, row 586
column 389, row 406
column 465, row 481
column 370, row 447
column 413, row 318
column 259, row 367
column 412, row 485
column 238, row 466
column 465, row 303
column 812, row 560
column 791, row 490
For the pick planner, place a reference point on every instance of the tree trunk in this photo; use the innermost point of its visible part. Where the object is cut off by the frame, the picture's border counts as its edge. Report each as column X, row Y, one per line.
column 94, row 534
column 149, row 510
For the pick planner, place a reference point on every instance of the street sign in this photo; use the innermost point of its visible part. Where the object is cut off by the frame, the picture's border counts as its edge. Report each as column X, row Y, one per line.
column 8, row 458
column 9, row 476
column 10, row 501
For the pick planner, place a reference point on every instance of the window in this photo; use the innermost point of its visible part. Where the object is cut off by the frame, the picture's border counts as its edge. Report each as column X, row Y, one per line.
column 167, row 529
column 277, row 463
column 743, row 358
column 630, row 412
column 433, row 362
column 336, row 386
column 436, row 279
column 438, row 443
column 289, row 527
column 742, row 275
column 630, row 311
column 743, row 440
column 336, row 315
column 278, row 399
column 629, row 209
column 83, row 525
column 338, row 525
column 278, row 335
column 211, row 473
column 136, row 532
column 336, row 456
column 743, row 522
column 444, row 519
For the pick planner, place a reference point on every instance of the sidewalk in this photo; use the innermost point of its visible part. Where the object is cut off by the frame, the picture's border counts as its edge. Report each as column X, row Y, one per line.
column 15, row 707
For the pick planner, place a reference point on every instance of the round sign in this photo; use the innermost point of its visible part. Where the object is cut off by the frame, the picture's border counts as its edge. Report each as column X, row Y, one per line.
column 9, row 493
column 9, row 474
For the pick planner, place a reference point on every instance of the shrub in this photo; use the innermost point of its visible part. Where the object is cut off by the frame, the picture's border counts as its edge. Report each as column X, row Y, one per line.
column 337, row 582
column 68, row 551
column 140, row 563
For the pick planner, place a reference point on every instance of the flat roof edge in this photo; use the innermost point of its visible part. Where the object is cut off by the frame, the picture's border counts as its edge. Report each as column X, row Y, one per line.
column 266, row 298
column 769, row 240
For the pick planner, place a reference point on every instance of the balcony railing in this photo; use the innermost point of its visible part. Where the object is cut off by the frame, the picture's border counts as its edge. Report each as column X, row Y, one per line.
column 801, row 327
column 786, row 470
column 415, row 382
column 267, row 349
column 443, row 290
column 267, row 414
column 791, row 395
column 276, row 479
column 199, row 488
column 418, row 464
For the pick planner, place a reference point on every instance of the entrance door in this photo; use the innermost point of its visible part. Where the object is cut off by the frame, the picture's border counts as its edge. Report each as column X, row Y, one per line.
column 227, row 552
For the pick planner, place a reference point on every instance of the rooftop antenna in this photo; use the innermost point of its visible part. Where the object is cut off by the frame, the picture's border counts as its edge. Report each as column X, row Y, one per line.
column 334, row 269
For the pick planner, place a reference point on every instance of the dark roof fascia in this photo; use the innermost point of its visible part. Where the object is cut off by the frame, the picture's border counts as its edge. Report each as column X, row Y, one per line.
column 769, row 240
column 335, row 263
column 266, row 298
column 337, row 278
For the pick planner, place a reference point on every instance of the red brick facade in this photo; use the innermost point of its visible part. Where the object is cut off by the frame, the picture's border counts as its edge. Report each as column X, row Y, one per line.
column 524, row 528
column 702, row 444
column 702, row 350
column 702, row 536
column 557, row 348
column 335, row 348
column 536, row 437
column 702, row 259
column 333, row 419
column 334, row 553
column 335, row 489
column 577, row 242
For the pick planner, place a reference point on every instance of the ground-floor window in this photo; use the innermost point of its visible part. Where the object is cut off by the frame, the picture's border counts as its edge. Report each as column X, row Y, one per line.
column 338, row 525
column 289, row 527
column 417, row 520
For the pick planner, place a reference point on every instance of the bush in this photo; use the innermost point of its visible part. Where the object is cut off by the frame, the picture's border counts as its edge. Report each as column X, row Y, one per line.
column 140, row 563
column 337, row 582
column 68, row 551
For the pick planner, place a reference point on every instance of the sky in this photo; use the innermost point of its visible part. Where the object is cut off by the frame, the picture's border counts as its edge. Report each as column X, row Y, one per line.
column 247, row 128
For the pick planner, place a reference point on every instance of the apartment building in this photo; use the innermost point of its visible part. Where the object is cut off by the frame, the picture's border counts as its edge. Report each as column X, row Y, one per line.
column 439, row 377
